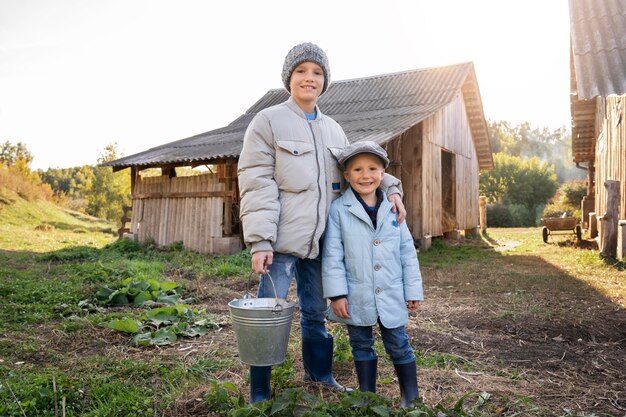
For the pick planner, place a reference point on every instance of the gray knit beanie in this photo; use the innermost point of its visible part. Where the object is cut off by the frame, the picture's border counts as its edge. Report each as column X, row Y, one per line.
column 305, row 52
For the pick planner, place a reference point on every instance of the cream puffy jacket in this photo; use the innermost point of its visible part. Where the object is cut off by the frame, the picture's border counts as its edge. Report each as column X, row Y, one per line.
column 288, row 177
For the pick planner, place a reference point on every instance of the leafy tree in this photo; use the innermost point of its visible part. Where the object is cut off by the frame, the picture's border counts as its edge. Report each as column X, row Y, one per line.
column 68, row 185
column 513, row 180
column 68, row 181
column 553, row 146
column 10, row 154
column 107, row 192
column 16, row 173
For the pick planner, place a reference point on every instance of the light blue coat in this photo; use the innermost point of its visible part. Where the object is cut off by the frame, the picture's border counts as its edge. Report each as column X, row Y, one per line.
column 377, row 269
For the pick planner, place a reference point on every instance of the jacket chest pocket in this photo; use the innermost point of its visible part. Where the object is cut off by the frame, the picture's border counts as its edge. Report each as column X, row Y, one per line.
column 335, row 173
column 296, row 168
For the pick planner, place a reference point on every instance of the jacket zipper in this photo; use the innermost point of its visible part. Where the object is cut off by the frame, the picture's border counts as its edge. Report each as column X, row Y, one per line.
column 319, row 191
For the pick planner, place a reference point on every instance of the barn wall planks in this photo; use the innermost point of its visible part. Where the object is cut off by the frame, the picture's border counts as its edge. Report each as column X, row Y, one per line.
column 448, row 131
column 182, row 209
column 610, row 162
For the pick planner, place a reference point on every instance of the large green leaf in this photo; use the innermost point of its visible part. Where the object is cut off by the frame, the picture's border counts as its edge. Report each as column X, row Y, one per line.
column 168, row 286
column 168, row 299
column 104, row 293
column 194, row 331
column 142, row 297
column 127, row 325
column 143, row 339
column 154, row 285
column 137, row 287
column 118, row 298
column 164, row 336
column 380, row 410
column 162, row 315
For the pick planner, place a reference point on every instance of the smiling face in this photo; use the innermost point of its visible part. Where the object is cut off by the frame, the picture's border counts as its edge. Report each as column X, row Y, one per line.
column 306, row 83
column 364, row 172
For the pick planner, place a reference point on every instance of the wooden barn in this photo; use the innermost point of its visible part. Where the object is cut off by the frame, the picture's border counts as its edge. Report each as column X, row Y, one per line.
column 598, row 108
column 430, row 121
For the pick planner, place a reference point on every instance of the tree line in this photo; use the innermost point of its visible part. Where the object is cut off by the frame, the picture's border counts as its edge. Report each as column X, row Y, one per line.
column 533, row 176
column 93, row 190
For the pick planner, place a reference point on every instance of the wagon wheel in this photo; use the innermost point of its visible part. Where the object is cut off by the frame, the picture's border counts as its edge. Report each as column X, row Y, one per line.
column 544, row 233
column 578, row 232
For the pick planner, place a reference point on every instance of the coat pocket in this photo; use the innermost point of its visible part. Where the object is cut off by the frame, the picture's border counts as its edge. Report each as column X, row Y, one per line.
column 335, row 172
column 295, row 168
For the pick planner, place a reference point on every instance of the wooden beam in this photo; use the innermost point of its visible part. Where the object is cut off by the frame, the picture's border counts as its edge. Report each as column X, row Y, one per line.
column 201, row 194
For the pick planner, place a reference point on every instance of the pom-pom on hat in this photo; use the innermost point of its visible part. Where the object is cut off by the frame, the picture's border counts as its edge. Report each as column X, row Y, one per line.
column 365, row 146
column 305, row 52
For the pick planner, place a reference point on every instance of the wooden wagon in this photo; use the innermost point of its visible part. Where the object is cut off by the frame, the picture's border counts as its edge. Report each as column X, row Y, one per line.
column 560, row 224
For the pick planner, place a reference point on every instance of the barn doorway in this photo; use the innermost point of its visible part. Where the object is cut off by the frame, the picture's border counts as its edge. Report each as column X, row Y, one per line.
column 448, row 191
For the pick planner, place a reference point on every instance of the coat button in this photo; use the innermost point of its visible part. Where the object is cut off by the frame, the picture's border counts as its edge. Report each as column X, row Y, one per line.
column 376, row 242
column 377, row 267
column 295, row 152
column 378, row 291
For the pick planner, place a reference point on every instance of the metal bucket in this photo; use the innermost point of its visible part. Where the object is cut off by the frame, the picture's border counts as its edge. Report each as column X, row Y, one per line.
column 262, row 327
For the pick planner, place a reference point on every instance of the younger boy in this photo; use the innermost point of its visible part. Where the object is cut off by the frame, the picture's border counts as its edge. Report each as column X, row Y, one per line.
column 370, row 270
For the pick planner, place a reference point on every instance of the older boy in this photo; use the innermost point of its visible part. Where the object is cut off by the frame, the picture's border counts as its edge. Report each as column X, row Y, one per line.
column 370, row 269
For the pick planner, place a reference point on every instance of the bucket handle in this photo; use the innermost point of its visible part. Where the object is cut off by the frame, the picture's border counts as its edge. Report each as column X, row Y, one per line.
column 278, row 308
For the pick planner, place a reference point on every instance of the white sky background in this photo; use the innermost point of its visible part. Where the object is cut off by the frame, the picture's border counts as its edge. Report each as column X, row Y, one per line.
column 77, row 75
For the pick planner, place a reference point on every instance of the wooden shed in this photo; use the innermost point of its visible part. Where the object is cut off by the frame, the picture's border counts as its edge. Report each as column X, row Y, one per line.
column 598, row 108
column 430, row 121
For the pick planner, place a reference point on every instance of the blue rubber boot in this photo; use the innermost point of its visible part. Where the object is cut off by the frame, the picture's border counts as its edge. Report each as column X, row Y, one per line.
column 366, row 374
column 317, row 357
column 407, row 378
column 260, row 383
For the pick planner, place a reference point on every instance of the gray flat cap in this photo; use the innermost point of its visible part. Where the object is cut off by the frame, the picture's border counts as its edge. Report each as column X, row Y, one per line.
column 364, row 146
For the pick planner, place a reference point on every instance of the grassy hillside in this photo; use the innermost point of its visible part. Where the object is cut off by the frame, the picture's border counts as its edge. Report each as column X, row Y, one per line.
column 28, row 226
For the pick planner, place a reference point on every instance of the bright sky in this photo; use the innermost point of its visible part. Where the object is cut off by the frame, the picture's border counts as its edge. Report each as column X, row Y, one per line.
column 77, row 75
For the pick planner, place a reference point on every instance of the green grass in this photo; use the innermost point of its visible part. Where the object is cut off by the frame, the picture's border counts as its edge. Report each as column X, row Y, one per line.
column 51, row 349
column 44, row 274
column 19, row 221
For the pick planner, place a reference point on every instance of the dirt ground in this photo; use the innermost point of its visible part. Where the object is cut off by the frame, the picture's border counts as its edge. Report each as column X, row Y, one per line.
column 560, row 350
column 563, row 351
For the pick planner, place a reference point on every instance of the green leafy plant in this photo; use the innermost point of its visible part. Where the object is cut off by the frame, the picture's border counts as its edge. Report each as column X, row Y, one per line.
column 163, row 326
column 342, row 351
column 283, row 374
column 139, row 292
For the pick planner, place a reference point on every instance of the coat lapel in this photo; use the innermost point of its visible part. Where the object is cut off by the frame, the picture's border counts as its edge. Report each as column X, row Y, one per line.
column 355, row 207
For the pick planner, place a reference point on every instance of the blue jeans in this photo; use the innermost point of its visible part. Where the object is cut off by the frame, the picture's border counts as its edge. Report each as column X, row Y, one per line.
column 396, row 343
column 308, row 273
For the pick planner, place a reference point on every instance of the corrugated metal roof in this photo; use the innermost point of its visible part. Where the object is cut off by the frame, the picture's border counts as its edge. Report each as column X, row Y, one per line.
column 598, row 36
column 374, row 108
column 597, row 65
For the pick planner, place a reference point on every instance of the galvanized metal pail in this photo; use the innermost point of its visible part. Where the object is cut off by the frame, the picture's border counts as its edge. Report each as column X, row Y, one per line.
column 262, row 327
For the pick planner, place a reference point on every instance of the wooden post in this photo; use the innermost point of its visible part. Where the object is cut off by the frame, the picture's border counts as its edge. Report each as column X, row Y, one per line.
column 483, row 213
column 228, row 176
column 587, row 206
column 610, row 219
column 621, row 240
column 593, row 225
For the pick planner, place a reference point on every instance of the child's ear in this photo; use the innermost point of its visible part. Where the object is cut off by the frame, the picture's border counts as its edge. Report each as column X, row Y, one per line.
column 345, row 175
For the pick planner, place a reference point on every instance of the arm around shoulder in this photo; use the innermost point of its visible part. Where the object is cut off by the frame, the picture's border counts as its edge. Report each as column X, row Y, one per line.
column 391, row 185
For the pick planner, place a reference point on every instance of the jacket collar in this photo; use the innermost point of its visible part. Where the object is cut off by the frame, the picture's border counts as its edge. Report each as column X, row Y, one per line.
column 355, row 207
column 291, row 103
